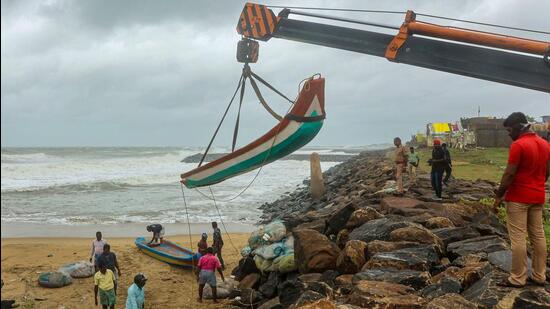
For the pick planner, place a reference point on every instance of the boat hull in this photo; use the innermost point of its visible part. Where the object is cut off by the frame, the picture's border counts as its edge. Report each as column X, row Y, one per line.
column 297, row 129
column 169, row 252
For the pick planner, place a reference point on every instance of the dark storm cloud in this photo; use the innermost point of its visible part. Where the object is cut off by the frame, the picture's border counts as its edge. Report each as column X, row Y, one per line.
column 162, row 72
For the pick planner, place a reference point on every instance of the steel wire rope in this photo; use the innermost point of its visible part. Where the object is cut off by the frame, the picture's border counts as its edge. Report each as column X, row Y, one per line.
column 403, row 12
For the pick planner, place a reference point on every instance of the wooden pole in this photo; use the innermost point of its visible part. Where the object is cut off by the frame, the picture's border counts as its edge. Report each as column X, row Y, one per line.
column 317, row 185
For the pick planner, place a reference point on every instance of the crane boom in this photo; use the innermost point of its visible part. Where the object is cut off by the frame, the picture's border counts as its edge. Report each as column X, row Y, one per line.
column 494, row 57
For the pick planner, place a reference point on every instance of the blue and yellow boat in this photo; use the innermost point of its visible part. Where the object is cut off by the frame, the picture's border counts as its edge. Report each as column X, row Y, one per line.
column 169, row 252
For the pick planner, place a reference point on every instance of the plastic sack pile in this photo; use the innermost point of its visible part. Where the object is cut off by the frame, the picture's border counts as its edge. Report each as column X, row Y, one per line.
column 271, row 248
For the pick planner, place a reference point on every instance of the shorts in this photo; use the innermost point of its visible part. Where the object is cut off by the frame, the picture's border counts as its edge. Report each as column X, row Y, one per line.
column 161, row 233
column 107, row 297
column 207, row 277
column 96, row 258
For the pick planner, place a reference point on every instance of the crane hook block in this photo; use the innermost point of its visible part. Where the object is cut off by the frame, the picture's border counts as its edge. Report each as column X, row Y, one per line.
column 257, row 22
column 247, row 51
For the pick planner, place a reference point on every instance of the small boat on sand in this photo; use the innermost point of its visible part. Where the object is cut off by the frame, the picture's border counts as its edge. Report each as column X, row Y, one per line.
column 169, row 252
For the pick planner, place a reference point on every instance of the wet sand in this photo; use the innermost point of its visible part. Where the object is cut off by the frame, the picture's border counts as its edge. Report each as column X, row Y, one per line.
column 168, row 287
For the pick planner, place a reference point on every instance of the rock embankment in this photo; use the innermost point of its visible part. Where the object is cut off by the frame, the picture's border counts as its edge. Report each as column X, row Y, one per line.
column 362, row 247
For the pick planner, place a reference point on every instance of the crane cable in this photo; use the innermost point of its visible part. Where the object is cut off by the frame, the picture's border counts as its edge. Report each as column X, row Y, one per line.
column 404, row 12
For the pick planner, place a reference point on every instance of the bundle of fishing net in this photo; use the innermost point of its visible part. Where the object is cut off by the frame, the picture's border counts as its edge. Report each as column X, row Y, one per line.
column 268, row 234
column 81, row 269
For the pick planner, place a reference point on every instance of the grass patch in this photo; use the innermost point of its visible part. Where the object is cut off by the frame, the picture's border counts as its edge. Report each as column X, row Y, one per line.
column 472, row 164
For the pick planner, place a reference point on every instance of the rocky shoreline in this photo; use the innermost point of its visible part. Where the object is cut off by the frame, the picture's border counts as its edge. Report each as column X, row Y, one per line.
column 362, row 247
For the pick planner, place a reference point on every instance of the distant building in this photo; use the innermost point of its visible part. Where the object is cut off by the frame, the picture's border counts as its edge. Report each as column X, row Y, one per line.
column 489, row 131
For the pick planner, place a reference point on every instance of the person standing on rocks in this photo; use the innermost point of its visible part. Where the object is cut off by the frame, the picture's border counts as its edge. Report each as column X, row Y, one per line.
column 438, row 162
column 522, row 189
column 448, row 165
column 400, row 159
column 413, row 164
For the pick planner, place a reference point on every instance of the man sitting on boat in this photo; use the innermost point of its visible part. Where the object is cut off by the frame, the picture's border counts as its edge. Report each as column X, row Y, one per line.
column 207, row 266
column 158, row 233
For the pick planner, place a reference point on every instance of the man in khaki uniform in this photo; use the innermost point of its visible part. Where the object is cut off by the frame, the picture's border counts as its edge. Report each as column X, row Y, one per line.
column 400, row 159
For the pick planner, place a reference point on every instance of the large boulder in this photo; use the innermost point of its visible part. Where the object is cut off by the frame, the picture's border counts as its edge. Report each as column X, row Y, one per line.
column 467, row 275
column 307, row 297
column 352, row 257
column 470, row 259
column 488, row 224
column 378, row 229
column 290, row 291
column 486, row 244
column 439, row 222
column 423, row 258
column 503, row 260
column 532, row 299
column 311, row 277
column 313, row 251
column 486, row 292
column 329, row 277
column 453, row 234
column 339, row 218
column 362, row 216
column 413, row 278
column 273, row 303
column 450, row 301
column 379, row 294
column 444, row 286
column 412, row 207
column 251, row 281
column 269, row 287
column 416, row 233
column 377, row 246
column 398, row 205
column 320, row 304
column 342, row 238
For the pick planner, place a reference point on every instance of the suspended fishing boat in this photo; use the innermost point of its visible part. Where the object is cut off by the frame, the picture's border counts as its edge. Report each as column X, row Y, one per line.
column 295, row 129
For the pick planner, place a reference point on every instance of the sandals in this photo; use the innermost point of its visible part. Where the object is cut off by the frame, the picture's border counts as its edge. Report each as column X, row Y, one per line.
column 533, row 282
column 506, row 283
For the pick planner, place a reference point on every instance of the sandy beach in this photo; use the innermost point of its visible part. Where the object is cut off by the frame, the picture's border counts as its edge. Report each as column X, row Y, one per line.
column 168, row 287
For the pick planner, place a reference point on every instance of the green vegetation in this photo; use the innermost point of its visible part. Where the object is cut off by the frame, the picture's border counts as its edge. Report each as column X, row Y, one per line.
column 480, row 164
column 473, row 164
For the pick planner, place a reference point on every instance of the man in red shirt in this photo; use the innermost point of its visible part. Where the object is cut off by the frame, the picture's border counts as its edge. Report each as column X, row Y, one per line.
column 522, row 188
column 207, row 266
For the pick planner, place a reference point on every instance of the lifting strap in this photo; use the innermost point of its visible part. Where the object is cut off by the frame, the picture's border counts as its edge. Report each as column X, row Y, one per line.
column 248, row 74
column 262, row 100
column 236, row 130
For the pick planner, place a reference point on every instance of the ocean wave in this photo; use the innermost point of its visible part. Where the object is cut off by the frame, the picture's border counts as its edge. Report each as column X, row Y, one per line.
column 39, row 157
column 100, row 186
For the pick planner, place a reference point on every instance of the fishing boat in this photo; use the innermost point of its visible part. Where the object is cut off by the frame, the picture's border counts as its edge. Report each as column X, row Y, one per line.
column 169, row 252
column 297, row 128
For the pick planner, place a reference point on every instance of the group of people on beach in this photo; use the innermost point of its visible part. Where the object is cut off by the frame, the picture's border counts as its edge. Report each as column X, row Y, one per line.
column 107, row 273
column 440, row 163
column 107, row 270
column 521, row 190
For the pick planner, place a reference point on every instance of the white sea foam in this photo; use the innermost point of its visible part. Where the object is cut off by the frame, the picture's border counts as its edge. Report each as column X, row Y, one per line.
column 131, row 185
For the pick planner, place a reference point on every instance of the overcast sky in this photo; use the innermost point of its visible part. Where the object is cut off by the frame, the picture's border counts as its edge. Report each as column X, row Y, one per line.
column 159, row 73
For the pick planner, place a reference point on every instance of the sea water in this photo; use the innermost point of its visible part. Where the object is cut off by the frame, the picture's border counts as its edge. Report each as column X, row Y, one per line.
column 72, row 186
